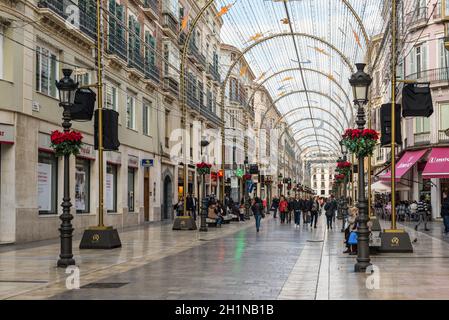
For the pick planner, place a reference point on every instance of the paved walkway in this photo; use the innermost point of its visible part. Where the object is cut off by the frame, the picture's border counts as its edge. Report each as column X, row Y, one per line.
column 234, row 262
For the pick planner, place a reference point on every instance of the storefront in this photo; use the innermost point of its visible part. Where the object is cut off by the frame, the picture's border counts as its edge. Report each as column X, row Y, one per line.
column 47, row 177
column 113, row 163
column 133, row 165
column 7, row 181
column 83, row 172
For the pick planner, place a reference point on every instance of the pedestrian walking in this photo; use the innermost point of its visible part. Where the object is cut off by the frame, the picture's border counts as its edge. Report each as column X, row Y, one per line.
column 290, row 210
column 445, row 212
column 314, row 208
column 257, row 209
column 297, row 210
column 283, row 208
column 329, row 212
column 275, row 206
column 422, row 213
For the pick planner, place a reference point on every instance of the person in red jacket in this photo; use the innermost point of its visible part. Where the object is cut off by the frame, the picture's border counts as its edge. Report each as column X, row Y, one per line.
column 283, row 208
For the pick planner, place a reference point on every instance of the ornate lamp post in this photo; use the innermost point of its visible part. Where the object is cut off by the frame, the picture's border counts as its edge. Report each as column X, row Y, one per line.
column 246, row 195
column 204, row 201
column 360, row 82
column 66, row 87
column 344, row 198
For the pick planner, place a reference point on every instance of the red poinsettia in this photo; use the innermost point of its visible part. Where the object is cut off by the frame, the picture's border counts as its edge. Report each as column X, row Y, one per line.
column 339, row 176
column 343, row 164
column 360, row 142
column 66, row 143
column 247, row 176
column 203, row 165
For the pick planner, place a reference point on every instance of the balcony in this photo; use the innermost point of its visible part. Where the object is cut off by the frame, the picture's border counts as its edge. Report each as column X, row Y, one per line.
column 422, row 138
column 442, row 136
column 152, row 73
column 56, row 10
column 196, row 56
column 213, row 71
column 135, row 60
column 432, row 76
column 117, row 46
column 418, row 18
column 151, row 9
column 192, row 101
column 170, row 26
column 171, row 86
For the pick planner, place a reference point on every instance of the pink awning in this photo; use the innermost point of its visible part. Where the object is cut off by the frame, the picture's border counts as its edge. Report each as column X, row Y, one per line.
column 438, row 164
column 405, row 164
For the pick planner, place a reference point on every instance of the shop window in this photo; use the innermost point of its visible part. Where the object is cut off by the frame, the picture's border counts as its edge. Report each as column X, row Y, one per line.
column 82, row 186
column 131, row 185
column 111, row 188
column 47, row 187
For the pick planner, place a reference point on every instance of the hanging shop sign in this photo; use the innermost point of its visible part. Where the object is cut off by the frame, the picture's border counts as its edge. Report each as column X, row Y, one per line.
column 6, row 133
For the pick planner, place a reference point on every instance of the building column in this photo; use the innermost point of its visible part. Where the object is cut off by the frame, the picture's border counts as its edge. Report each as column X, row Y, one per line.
column 435, row 198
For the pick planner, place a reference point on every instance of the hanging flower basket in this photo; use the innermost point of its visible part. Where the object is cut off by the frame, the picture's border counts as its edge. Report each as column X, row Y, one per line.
column 247, row 176
column 339, row 178
column 203, row 168
column 66, row 143
column 280, row 185
column 343, row 167
column 360, row 142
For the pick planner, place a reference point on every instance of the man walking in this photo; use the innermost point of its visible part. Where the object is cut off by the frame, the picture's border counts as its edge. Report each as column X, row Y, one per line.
column 422, row 213
column 314, row 207
column 297, row 210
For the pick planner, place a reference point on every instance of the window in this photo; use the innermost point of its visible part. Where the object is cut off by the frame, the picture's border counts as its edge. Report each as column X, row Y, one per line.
column 146, row 117
column 111, row 97
column 444, row 54
column 47, row 173
column 111, row 187
column 444, row 116
column 422, row 125
column 46, row 71
column 130, row 112
column 82, row 186
column 131, row 175
column 167, row 129
column 419, row 60
column 150, row 48
column 83, row 78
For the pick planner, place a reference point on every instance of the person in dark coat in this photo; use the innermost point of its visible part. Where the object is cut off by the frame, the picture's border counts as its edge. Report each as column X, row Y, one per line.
column 297, row 206
column 257, row 209
column 445, row 212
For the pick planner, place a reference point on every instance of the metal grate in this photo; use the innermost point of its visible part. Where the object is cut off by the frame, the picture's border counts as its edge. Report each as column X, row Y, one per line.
column 104, row 285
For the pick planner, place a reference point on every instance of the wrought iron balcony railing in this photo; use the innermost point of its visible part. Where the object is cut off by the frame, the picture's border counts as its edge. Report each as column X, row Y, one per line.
column 171, row 86
column 135, row 60
column 152, row 5
column 117, row 45
column 152, row 72
column 168, row 23
column 213, row 70
column 442, row 137
column 431, row 75
column 422, row 138
column 87, row 13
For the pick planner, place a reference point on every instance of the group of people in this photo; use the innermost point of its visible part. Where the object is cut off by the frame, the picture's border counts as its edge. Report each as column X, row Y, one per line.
column 310, row 209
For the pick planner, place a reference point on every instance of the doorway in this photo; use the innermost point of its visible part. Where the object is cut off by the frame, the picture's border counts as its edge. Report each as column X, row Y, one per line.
column 168, row 199
column 146, row 194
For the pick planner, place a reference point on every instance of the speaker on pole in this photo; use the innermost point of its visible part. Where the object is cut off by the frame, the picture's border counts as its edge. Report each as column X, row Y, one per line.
column 83, row 105
column 385, row 124
column 110, row 130
column 417, row 100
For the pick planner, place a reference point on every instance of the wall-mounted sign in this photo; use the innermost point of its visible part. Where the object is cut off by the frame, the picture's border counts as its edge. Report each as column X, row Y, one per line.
column 6, row 133
column 147, row 162
column 133, row 161
column 114, row 157
column 87, row 151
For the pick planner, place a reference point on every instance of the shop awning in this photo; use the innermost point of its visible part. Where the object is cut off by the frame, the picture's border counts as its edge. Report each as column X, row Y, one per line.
column 385, row 187
column 438, row 164
column 404, row 164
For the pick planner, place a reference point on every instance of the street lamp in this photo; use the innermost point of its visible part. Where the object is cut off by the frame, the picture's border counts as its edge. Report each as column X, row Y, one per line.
column 246, row 195
column 360, row 82
column 344, row 199
column 204, row 201
column 66, row 87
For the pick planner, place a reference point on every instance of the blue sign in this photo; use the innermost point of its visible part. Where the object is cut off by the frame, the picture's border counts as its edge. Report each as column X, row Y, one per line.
column 147, row 162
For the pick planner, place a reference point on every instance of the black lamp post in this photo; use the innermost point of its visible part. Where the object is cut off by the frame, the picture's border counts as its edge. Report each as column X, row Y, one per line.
column 360, row 82
column 246, row 195
column 204, row 201
column 344, row 198
column 66, row 87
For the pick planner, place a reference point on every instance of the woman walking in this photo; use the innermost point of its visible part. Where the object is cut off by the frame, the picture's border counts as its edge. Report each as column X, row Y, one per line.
column 329, row 212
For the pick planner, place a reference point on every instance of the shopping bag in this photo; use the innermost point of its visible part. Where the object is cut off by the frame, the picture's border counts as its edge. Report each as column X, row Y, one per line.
column 352, row 240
